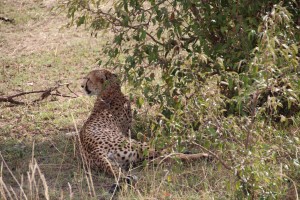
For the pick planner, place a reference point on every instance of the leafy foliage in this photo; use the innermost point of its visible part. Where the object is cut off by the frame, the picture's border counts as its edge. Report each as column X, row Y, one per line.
column 215, row 73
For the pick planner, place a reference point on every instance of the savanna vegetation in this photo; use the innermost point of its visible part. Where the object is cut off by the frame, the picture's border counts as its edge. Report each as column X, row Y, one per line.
column 220, row 77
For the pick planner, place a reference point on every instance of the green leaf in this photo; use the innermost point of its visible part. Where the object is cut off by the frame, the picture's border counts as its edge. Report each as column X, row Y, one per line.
column 80, row 20
column 142, row 34
column 140, row 101
column 159, row 32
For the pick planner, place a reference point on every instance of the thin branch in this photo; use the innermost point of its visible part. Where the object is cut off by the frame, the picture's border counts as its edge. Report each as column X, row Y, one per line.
column 7, row 19
column 113, row 19
column 214, row 155
column 155, row 40
column 159, row 3
column 196, row 13
column 71, row 90
column 44, row 94
column 24, row 93
column 11, row 100
column 62, row 95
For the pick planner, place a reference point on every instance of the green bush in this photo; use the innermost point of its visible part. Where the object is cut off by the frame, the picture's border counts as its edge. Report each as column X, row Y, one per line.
column 218, row 74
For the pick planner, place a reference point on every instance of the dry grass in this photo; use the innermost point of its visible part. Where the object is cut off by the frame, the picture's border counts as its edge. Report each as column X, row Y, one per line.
column 37, row 52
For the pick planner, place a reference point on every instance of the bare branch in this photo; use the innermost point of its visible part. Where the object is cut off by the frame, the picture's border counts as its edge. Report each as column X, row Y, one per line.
column 7, row 19
column 44, row 94
column 71, row 90
column 11, row 100
column 214, row 155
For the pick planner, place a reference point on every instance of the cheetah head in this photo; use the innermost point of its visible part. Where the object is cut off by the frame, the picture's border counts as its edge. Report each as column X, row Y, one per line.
column 99, row 80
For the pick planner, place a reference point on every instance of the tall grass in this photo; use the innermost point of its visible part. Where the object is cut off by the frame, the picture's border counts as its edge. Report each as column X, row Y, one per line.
column 33, row 185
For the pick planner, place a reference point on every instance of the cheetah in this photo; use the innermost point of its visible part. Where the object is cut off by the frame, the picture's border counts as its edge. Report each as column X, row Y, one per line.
column 104, row 138
column 111, row 101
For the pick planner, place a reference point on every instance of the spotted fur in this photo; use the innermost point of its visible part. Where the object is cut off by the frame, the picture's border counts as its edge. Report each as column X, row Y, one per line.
column 104, row 137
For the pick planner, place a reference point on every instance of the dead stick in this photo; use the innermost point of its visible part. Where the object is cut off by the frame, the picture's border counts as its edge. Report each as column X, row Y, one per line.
column 215, row 155
column 71, row 90
column 7, row 19
column 11, row 100
column 44, row 95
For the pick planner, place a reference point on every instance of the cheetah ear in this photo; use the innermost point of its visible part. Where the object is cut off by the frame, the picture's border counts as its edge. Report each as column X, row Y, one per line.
column 107, row 76
column 102, row 80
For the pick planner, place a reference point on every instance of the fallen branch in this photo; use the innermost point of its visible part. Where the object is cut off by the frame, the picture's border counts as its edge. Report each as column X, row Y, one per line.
column 7, row 19
column 10, row 99
column 44, row 94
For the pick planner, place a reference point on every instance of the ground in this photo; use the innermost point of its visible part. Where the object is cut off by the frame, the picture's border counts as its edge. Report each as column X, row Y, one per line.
column 37, row 160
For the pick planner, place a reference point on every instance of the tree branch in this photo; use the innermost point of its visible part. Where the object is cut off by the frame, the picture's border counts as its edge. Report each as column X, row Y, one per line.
column 113, row 19
column 44, row 94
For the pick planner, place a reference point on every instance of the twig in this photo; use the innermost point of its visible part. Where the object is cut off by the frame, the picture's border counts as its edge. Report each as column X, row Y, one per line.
column 294, row 184
column 71, row 90
column 215, row 155
column 114, row 19
column 11, row 100
column 7, row 19
column 44, row 94
column 62, row 95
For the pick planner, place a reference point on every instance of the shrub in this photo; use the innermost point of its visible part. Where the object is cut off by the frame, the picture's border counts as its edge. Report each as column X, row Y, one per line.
column 216, row 74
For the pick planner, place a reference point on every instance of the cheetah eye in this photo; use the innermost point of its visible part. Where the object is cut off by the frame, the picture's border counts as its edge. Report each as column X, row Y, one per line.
column 82, row 86
column 102, row 80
